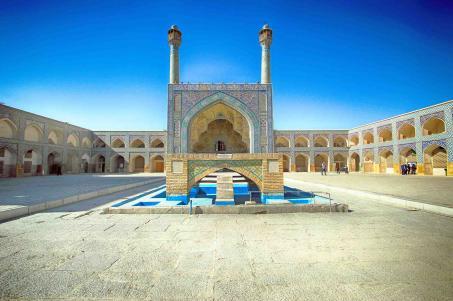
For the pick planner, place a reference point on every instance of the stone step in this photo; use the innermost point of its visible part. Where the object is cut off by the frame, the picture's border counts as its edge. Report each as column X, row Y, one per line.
column 225, row 187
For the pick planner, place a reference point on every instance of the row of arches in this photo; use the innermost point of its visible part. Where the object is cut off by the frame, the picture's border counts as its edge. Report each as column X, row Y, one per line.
column 302, row 162
column 431, row 126
column 34, row 133
column 136, row 143
column 33, row 163
column 434, row 161
column 302, row 141
column 136, row 164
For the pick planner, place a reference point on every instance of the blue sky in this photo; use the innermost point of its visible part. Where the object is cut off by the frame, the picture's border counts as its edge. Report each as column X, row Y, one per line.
column 335, row 64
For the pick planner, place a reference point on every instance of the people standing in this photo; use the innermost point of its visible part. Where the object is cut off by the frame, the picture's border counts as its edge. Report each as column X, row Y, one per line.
column 323, row 169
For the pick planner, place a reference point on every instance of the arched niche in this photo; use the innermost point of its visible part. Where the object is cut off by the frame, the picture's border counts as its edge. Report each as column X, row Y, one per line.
column 301, row 141
column 433, row 126
column 118, row 143
column 7, row 128
column 406, row 131
column 302, row 163
column 157, row 143
column 237, row 105
column 281, row 141
column 340, row 141
column 385, row 135
column 321, row 141
column 33, row 133
column 355, row 162
column 219, row 128
column 73, row 140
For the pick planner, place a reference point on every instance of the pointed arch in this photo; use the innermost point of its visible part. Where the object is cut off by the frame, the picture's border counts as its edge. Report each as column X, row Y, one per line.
column 435, row 160
column 230, row 101
column 33, row 133
column 302, row 162
column 319, row 159
column 281, row 141
column 99, row 163
column 117, row 163
column 354, row 162
column 368, row 161
column 7, row 128
column 138, row 163
column 340, row 161
column 137, row 143
column 407, row 155
column 73, row 140
column 368, row 138
column 99, row 143
column 86, row 142
column 406, row 131
column 157, row 143
column 386, row 161
column 385, row 135
column 433, row 126
column 321, row 141
column 32, row 162
column 301, row 141
column 157, row 163
column 340, row 141
column 53, row 137
column 354, row 140
column 118, row 143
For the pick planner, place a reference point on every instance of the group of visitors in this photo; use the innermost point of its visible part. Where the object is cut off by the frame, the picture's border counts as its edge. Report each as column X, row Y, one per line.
column 408, row 168
column 337, row 169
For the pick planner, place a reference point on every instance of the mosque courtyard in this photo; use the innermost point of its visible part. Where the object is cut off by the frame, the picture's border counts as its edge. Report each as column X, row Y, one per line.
column 375, row 252
column 226, row 200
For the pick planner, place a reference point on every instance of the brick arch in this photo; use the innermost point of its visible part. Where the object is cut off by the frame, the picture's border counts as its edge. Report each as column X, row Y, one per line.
column 239, row 170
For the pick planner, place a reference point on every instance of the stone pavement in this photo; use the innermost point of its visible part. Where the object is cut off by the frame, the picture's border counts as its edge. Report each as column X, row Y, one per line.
column 426, row 189
column 34, row 190
column 375, row 252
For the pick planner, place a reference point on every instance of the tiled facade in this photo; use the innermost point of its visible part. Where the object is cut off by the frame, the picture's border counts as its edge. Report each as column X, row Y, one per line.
column 91, row 145
column 83, row 153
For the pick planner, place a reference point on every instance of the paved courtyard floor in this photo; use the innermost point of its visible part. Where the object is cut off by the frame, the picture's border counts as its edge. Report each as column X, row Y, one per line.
column 435, row 190
column 375, row 252
column 33, row 190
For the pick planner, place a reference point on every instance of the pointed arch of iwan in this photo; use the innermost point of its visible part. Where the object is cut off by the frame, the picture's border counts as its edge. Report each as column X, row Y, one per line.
column 229, row 101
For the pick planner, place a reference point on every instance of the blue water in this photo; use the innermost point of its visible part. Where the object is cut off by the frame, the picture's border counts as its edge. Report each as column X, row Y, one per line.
column 204, row 194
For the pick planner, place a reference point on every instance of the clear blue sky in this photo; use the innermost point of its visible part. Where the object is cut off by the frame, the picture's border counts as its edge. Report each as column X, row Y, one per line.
column 335, row 64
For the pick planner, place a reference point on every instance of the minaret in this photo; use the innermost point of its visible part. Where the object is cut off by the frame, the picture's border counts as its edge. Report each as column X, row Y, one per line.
column 265, row 41
column 174, row 40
